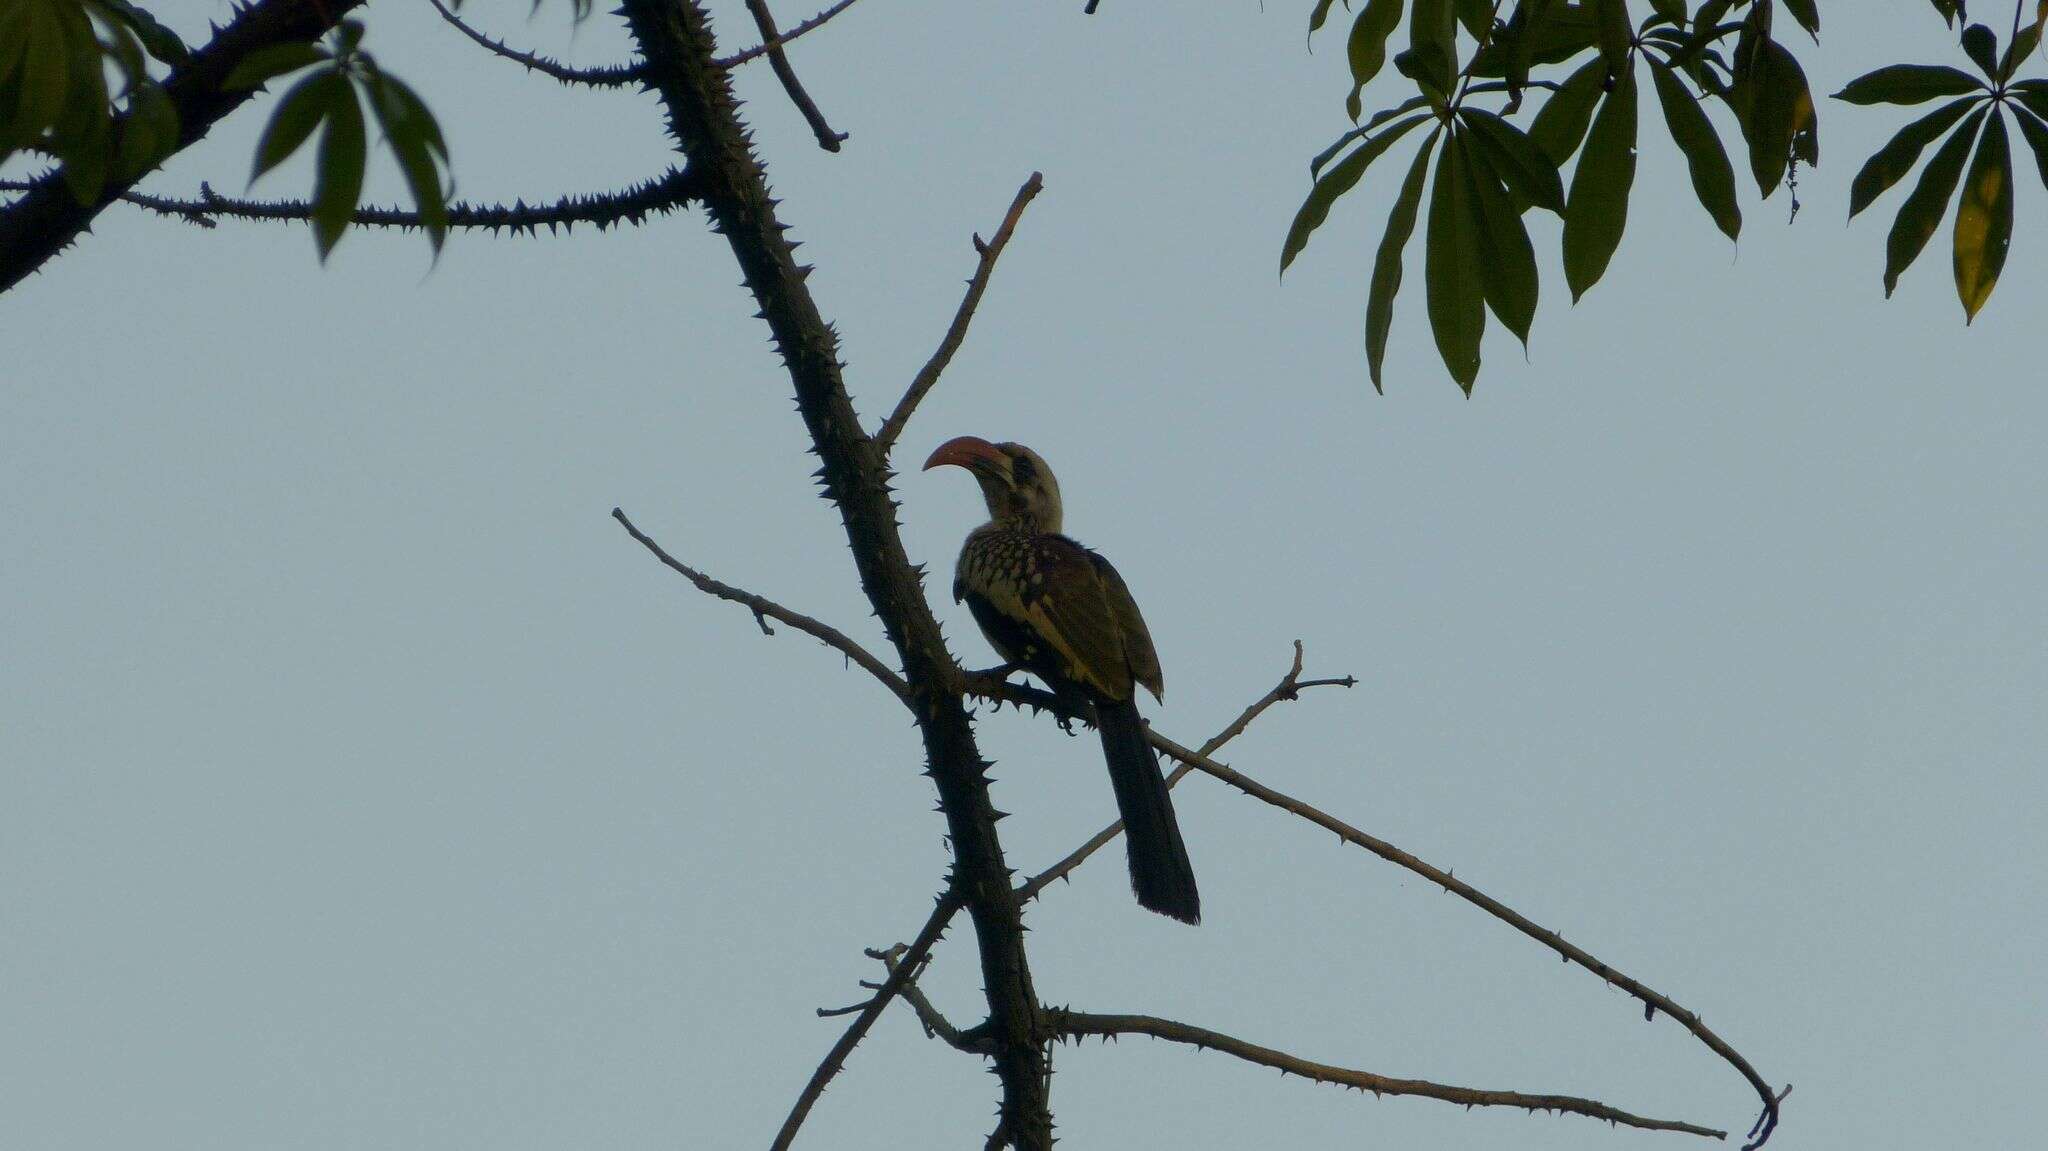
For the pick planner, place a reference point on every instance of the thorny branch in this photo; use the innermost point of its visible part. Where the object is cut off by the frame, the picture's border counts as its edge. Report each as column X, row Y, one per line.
column 668, row 192
column 908, row 962
column 956, row 332
column 1289, row 688
column 767, row 609
column 771, row 43
column 615, row 76
column 936, row 1025
column 941, row 915
column 1078, row 1024
column 1652, row 1000
column 46, row 217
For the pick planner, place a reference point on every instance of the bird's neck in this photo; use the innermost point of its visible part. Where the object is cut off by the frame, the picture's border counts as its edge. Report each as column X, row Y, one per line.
column 1023, row 522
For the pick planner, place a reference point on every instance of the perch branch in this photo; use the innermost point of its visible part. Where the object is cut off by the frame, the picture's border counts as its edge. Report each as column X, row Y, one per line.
column 767, row 609
column 1078, row 1024
column 615, row 76
column 1653, row 1001
column 911, row 958
column 665, row 193
column 1289, row 688
column 762, row 49
column 771, row 43
column 962, row 316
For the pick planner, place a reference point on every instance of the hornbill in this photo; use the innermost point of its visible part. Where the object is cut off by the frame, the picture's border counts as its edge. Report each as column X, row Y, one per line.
column 1056, row 609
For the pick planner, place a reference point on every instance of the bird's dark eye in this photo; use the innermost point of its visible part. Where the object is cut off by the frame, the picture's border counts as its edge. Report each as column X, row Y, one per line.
column 1022, row 471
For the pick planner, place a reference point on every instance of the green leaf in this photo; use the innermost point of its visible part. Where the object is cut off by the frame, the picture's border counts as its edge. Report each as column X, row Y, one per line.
column 1981, row 43
column 1317, row 15
column 1367, row 47
column 304, row 105
column 416, row 141
column 405, row 104
column 1771, row 100
column 1713, row 177
column 1617, row 35
column 150, row 132
column 2035, row 132
column 1596, row 212
column 83, row 130
column 45, row 71
column 1808, row 16
column 1949, row 9
column 1561, row 123
column 338, row 183
column 1927, row 203
column 348, row 36
column 2022, row 46
column 1341, row 178
column 1386, row 265
column 1672, row 11
column 1528, row 173
column 1452, row 274
column 1476, row 16
column 160, row 41
column 1890, row 163
column 1909, row 84
column 1315, row 165
column 1507, row 262
column 276, row 60
column 1432, row 56
column 1984, row 219
column 2033, row 94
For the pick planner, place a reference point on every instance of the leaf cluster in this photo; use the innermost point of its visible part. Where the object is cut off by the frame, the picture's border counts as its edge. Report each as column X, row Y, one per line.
column 1472, row 63
column 55, row 99
column 1975, row 112
column 336, row 80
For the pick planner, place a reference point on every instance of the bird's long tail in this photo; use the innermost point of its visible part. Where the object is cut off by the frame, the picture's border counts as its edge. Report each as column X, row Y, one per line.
column 1161, row 875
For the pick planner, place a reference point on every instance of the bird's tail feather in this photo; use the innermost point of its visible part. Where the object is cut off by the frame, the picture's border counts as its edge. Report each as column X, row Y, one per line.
column 1161, row 875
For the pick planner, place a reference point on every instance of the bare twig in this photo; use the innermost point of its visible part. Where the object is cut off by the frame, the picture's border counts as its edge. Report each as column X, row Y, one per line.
column 962, row 316
column 615, row 76
column 762, row 49
column 1653, row 1000
column 767, row 609
column 1567, row 951
column 912, row 957
column 771, row 43
column 936, row 1025
column 1077, row 1024
column 668, row 192
column 1289, row 688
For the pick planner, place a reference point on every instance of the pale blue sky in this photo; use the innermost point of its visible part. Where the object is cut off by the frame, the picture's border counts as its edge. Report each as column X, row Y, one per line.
column 363, row 786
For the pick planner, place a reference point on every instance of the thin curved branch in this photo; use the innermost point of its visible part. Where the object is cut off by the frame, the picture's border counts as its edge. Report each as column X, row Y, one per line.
column 1653, row 1001
column 1080, row 1024
column 668, row 192
column 1290, row 687
column 962, row 316
column 771, row 43
column 767, row 609
column 777, row 42
column 909, row 961
column 613, row 76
